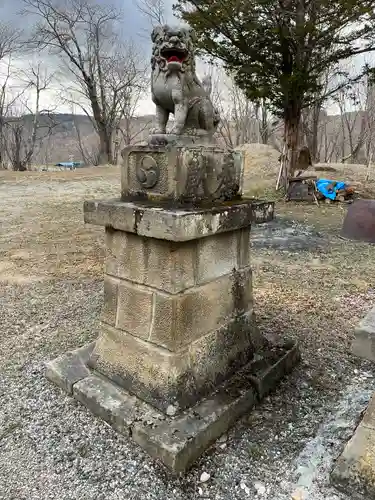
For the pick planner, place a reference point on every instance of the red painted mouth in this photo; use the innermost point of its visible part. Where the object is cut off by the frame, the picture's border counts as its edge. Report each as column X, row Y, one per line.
column 174, row 55
column 175, row 59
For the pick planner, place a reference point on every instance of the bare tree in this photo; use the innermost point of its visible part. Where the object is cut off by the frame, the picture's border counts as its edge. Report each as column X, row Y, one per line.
column 328, row 139
column 28, row 125
column 88, row 148
column 311, row 120
column 152, row 10
column 129, row 128
column 241, row 121
column 353, row 103
column 10, row 42
column 106, row 70
column 262, row 116
column 237, row 114
column 313, row 116
column 370, row 122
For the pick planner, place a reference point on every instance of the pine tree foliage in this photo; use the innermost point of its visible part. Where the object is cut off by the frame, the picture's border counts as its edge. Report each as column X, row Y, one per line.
column 279, row 50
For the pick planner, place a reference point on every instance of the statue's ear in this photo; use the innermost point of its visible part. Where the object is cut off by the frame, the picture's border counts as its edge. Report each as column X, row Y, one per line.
column 156, row 32
column 189, row 33
column 192, row 34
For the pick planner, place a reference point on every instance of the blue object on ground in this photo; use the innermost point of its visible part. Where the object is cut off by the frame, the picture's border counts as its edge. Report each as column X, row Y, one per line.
column 324, row 186
column 68, row 164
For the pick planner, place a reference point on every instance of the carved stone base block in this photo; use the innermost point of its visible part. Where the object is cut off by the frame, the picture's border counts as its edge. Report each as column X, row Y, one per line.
column 178, row 315
column 179, row 357
column 176, row 440
column 181, row 173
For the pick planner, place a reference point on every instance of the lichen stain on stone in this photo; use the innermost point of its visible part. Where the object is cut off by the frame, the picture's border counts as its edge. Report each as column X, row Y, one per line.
column 366, row 467
column 138, row 214
column 146, row 251
column 238, row 291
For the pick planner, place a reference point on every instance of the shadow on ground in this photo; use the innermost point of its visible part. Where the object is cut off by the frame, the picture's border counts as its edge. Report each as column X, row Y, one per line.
column 287, row 235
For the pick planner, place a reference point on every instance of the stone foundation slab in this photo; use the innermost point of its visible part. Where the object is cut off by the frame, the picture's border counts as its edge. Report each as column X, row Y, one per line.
column 364, row 337
column 177, row 441
column 166, row 222
column 354, row 470
column 158, row 220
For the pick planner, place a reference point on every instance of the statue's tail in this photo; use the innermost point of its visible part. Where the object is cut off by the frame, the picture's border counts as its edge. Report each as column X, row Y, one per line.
column 207, row 84
column 216, row 118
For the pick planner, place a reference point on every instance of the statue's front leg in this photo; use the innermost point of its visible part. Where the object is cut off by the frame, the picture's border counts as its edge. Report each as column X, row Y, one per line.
column 206, row 117
column 180, row 115
column 162, row 116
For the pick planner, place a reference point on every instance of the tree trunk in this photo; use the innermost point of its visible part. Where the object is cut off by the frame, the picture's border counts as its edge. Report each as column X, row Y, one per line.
column 314, row 133
column 312, row 128
column 106, row 153
column 291, row 136
column 117, row 143
column 265, row 132
column 105, row 136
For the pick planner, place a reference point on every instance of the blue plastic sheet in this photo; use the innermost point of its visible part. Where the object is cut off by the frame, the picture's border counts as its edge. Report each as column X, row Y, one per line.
column 324, row 186
column 68, row 164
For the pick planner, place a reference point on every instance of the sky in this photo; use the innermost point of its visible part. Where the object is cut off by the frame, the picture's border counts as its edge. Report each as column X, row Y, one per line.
column 133, row 20
column 135, row 26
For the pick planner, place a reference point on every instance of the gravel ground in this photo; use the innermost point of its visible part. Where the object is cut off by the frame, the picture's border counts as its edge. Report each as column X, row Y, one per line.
column 50, row 298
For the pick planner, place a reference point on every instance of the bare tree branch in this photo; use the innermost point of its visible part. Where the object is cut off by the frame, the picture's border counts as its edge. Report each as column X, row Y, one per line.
column 106, row 71
column 152, row 10
column 25, row 132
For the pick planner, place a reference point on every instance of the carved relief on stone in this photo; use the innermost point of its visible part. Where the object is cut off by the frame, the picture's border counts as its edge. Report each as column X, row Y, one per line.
column 148, row 172
column 182, row 173
column 213, row 174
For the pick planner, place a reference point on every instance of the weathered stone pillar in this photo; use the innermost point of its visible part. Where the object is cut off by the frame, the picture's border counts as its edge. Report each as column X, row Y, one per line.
column 179, row 356
column 178, row 307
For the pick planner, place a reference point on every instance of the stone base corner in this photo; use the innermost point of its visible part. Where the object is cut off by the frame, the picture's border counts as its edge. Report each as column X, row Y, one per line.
column 354, row 470
column 364, row 337
column 177, row 441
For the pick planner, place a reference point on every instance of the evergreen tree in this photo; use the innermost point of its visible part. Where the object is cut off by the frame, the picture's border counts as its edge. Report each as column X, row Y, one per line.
column 278, row 50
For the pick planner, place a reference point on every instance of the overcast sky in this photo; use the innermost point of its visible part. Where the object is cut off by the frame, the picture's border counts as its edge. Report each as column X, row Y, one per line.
column 135, row 26
column 133, row 20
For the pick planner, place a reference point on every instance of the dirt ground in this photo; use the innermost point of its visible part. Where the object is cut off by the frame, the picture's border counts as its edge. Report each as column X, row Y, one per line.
column 42, row 231
column 316, row 296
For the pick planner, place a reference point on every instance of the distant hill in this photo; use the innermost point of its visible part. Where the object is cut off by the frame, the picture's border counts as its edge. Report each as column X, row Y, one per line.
column 334, row 135
column 58, row 135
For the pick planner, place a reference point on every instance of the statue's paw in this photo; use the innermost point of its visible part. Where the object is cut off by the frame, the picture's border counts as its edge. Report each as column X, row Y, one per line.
column 175, row 130
column 157, row 131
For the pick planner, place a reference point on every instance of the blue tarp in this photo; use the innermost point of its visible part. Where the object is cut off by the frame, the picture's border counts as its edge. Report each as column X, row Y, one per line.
column 324, row 186
column 68, row 164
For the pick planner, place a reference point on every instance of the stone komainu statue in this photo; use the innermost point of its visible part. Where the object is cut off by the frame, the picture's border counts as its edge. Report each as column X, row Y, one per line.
column 175, row 87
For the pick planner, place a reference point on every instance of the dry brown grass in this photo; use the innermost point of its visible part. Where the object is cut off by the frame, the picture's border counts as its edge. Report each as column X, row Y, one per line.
column 62, row 175
column 318, row 295
column 42, row 231
column 315, row 296
column 262, row 167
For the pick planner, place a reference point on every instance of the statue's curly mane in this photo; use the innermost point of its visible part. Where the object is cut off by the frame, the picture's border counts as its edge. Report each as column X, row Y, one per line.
column 175, row 85
column 160, row 37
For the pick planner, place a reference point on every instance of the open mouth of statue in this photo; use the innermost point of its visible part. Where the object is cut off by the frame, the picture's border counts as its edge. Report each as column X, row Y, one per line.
column 174, row 55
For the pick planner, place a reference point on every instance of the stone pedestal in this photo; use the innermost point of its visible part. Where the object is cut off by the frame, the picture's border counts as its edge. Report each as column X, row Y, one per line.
column 185, row 173
column 179, row 356
column 178, row 306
